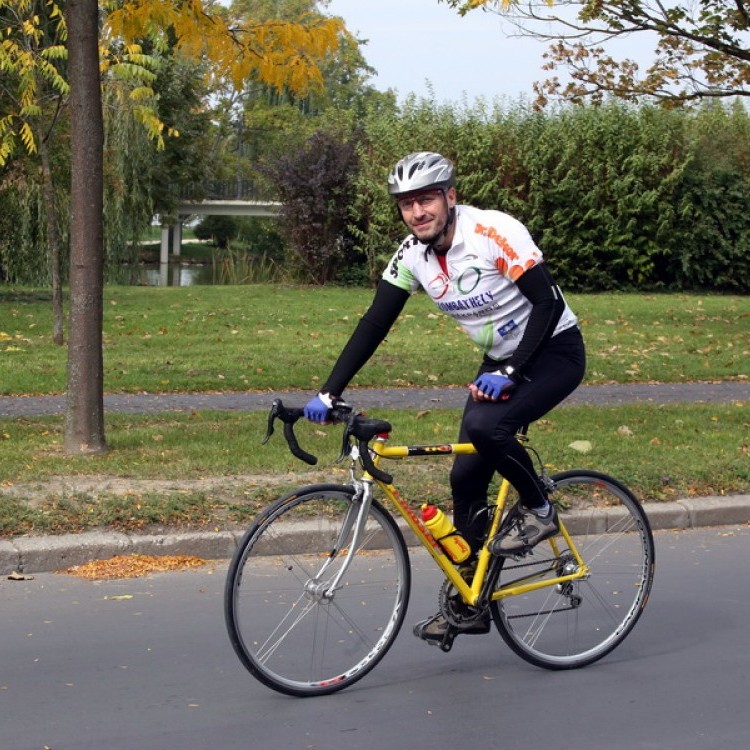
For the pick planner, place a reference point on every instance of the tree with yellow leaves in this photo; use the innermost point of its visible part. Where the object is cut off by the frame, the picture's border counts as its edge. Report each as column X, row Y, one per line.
column 280, row 53
column 34, row 92
column 33, row 89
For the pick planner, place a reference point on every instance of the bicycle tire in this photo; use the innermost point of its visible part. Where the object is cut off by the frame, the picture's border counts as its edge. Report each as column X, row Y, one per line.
column 286, row 633
column 567, row 626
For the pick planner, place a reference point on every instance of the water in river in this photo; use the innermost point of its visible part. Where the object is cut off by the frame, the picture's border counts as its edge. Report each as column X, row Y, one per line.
column 166, row 274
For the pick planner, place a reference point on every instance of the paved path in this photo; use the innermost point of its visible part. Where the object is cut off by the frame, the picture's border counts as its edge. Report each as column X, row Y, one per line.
column 147, row 665
column 384, row 398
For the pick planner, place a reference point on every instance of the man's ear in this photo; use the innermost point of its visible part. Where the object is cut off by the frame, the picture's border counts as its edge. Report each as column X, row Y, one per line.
column 450, row 195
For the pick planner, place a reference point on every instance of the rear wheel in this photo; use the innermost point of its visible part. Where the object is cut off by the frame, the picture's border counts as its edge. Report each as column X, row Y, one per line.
column 288, row 628
column 575, row 623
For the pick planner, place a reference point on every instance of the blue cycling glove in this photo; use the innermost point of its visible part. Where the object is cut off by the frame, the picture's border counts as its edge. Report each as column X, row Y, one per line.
column 316, row 409
column 494, row 384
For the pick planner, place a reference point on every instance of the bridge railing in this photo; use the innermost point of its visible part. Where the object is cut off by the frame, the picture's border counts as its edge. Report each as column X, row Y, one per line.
column 217, row 190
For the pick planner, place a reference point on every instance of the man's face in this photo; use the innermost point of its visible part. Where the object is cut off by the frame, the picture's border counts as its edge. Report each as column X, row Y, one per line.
column 426, row 212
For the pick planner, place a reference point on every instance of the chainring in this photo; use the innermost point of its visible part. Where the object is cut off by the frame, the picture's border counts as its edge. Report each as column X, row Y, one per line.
column 454, row 609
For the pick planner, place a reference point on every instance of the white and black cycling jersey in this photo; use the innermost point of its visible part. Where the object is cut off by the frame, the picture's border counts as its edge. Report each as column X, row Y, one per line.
column 475, row 282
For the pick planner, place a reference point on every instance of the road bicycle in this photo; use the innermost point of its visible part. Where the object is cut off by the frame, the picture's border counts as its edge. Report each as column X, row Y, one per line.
column 318, row 587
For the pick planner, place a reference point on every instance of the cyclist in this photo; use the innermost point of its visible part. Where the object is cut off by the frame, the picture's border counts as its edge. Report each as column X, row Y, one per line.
column 482, row 268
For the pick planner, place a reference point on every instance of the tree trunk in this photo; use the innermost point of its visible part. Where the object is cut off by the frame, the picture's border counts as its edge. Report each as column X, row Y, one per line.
column 53, row 242
column 84, row 413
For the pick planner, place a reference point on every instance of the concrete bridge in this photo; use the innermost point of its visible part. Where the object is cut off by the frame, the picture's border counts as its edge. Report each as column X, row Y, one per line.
column 220, row 198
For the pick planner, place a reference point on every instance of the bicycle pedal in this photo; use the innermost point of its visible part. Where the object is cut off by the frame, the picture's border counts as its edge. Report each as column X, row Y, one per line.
column 447, row 643
column 443, row 641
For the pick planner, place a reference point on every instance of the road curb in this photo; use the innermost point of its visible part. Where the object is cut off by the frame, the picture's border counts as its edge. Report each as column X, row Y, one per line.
column 50, row 553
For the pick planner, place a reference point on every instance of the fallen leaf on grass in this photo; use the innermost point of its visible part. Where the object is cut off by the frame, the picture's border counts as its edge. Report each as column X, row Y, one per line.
column 582, row 446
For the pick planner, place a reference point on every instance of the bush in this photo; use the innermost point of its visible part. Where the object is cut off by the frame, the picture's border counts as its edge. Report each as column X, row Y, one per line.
column 617, row 197
column 712, row 246
column 314, row 184
column 261, row 237
column 220, row 230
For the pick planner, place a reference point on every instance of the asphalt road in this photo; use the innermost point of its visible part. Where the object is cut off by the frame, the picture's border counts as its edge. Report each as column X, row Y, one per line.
column 383, row 398
column 146, row 663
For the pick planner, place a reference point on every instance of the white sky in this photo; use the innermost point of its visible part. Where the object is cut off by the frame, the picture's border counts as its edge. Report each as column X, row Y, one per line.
column 418, row 45
column 413, row 42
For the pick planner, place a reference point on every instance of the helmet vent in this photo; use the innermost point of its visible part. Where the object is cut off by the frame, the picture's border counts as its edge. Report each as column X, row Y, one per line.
column 421, row 171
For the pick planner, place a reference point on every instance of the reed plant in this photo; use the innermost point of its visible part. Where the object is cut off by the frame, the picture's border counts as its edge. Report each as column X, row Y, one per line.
column 232, row 267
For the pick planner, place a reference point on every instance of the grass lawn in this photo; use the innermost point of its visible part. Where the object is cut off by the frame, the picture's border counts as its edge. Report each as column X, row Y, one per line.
column 265, row 337
column 208, row 469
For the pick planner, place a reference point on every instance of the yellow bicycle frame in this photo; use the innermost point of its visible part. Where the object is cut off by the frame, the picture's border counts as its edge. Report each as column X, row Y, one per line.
column 469, row 591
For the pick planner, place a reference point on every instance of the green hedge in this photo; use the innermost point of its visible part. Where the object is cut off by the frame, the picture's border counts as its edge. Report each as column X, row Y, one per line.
column 617, row 197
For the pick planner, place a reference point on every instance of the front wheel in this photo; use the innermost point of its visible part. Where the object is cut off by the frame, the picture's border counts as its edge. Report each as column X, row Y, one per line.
column 573, row 624
column 289, row 628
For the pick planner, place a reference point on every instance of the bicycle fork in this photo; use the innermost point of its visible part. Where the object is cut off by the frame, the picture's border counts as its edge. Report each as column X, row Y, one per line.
column 354, row 523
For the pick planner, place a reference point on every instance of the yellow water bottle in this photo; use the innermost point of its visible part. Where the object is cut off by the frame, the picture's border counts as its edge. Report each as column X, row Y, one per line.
column 440, row 526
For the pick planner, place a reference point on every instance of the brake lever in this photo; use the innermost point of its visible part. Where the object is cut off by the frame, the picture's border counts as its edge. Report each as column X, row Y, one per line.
column 346, row 446
column 369, row 465
column 272, row 414
column 288, row 417
column 364, row 452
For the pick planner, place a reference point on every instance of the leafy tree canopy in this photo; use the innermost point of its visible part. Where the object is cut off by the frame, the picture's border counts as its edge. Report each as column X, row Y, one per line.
column 284, row 54
column 701, row 47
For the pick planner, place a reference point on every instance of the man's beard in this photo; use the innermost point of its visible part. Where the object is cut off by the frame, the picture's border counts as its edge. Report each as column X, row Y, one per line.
column 435, row 236
column 435, row 239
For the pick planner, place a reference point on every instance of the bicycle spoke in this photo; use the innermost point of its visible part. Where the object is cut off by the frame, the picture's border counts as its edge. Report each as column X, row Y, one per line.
column 267, row 649
column 572, row 624
column 320, row 640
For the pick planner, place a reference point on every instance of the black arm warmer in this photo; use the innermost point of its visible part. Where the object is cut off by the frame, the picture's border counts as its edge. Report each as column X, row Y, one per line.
column 372, row 328
column 538, row 286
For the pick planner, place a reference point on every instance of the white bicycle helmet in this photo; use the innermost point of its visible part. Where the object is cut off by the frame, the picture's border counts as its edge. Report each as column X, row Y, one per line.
column 421, row 171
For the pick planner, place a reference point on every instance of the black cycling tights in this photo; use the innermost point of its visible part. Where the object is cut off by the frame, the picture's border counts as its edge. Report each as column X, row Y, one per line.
column 492, row 426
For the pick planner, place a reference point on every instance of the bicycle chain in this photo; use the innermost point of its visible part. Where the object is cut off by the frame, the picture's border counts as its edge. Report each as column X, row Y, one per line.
column 531, row 564
column 458, row 613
